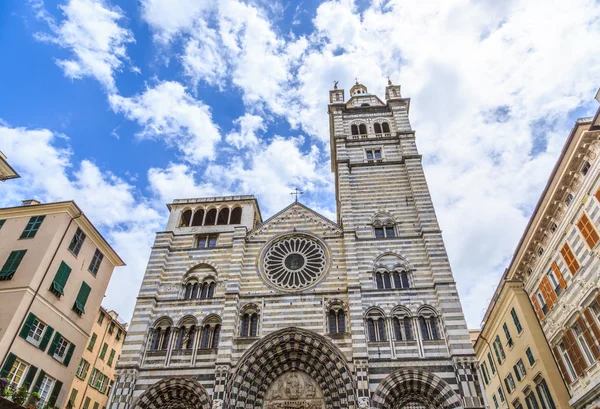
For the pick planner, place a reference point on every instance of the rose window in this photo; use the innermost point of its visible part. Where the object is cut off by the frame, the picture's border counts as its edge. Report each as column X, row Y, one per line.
column 295, row 262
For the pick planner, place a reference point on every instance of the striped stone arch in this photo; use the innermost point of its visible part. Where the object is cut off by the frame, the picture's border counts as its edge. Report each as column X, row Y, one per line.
column 174, row 393
column 414, row 386
column 286, row 350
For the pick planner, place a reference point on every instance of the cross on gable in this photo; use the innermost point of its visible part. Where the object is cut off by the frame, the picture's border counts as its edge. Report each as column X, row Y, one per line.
column 297, row 193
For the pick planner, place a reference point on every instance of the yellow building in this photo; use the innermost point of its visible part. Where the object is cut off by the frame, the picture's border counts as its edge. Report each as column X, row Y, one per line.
column 54, row 270
column 96, row 370
column 515, row 361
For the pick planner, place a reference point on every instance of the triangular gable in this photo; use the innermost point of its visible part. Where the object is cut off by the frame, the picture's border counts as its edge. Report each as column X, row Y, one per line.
column 297, row 216
column 357, row 100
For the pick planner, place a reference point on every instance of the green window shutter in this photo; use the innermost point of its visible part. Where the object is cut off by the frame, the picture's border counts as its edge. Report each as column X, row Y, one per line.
column 2, row 223
column 27, row 326
column 12, row 263
column 73, row 397
column 92, row 342
column 86, row 404
column 54, row 344
column 8, row 364
column 60, row 279
column 29, row 377
column 32, row 227
column 96, row 405
column 69, row 355
column 46, row 338
column 111, row 357
column 87, row 368
column 82, row 297
column 55, row 391
column 103, row 352
column 38, row 381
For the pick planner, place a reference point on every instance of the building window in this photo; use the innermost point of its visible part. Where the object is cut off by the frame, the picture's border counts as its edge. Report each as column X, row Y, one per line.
column 519, row 369
column 62, row 347
column 72, row 397
column 60, row 279
column 542, row 301
column 569, row 258
column 554, row 282
column 491, row 361
column 373, row 154
column 111, row 328
column 509, row 381
column 206, row 241
column 564, row 356
column 501, row 394
column 44, row 390
column 588, row 231
column 509, row 340
column 208, row 289
column 495, row 401
column 376, row 328
column 403, row 328
column 82, row 369
column 32, row 227
column 249, row 324
column 553, row 227
column 530, row 356
column 540, row 251
column 92, row 342
column 544, row 395
column 515, row 318
column 186, row 217
column 585, row 168
column 11, row 264
column 95, row 263
column 77, row 242
column 583, row 345
column 36, row 331
column 429, row 327
column 384, row 232
column 484, row 371
column 2, row 223
column 499, row 350
column 211, row 332
column 119, row 334
column 100, row 318
column 531, row 401
column 81, row 300
column 103, row 351
column 568, row 199
column 16, row 374
column 337, row 319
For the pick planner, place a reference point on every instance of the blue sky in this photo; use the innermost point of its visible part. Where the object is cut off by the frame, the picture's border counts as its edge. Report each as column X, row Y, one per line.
column 126, row 105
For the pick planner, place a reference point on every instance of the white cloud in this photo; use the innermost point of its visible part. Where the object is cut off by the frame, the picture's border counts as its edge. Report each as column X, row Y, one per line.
column 246, row 136
column 167, row 112
column 91, row 30
column 49, row 173
column 178, row 181
column 168, row 18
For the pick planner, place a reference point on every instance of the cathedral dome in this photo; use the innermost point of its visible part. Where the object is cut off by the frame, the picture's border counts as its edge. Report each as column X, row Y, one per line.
column 358, row 89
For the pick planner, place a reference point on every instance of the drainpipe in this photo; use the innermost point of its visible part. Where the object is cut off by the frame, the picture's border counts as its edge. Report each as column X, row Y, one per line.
column 87, row 384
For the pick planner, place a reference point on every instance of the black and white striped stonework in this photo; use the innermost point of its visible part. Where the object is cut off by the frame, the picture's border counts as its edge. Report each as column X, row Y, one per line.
column 267, row 330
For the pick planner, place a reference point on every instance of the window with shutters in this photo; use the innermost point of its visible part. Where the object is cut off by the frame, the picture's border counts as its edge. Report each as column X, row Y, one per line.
column 101, row 318
column 554, row 281
column 82, row 369
column 111, row 357
column 515, row 318
column 61, row 349
column 595, row 308
column 519, row 369
column 72, row 397
column 77, row 242
column 96, row 262
column 60, row 279
column 509, row 381
column 491, row 361
column 583, row 345
column 545, row 395
column 11, row 264
column 32, row 227
column 17, row 374
column 530, row 356
column 495, row 399
column 564, row 356
column 44, row 390
column 486, row 375
column 119, row 334
column 588, row 231
column 509, row 340
column 498, row 349
column 82, row 296
column 111, row 328
column 569, row 257
column 86, row 403
column 92, row 342
column 103, row 351
column 36, row 332
column 542, row 302
column 501, row 395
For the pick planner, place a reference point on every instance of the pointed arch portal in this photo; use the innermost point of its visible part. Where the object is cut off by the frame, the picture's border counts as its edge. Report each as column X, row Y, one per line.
column 407, row 388
column 291, row 350
column 174, row 393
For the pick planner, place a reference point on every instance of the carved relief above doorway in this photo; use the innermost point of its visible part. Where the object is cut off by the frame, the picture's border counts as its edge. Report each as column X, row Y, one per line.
column 294, row 390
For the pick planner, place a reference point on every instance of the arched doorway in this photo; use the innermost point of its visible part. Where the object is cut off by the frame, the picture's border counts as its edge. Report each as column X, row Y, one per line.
column 174, row 393
column 414, row 389
column 291, row 363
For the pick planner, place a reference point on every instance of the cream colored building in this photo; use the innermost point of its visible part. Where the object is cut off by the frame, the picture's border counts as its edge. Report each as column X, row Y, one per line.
column 96, row 370
column 6, row 171
column 515, row 361
column 54, row 270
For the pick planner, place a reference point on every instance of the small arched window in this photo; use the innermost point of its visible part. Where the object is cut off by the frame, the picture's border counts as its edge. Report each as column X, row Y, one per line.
column 379, row 280
column 337, row 319
column 383, row 280
column 204, row 292
column 211, row 332
column 377, row 127
column 402, row 327
column 354, row 129
column 215, row 339
column 401, row 279
column 180, row 336
column 164, row 345
column 386, row 127
column 428, row 324
column 185, row 218
column 387, row 283
column 190, row 338
column 384, row 226
column 223, row 217
column 362, row 129
column 188, row 291
column 156, row 339
column 195, row 291
column 211, row 217
column 236, row 216
column 198, row 217
column 249, row 324
column 376, row 327
column 207, row 289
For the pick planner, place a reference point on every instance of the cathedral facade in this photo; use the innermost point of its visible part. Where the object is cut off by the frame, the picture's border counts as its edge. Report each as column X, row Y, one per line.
column 299, row 311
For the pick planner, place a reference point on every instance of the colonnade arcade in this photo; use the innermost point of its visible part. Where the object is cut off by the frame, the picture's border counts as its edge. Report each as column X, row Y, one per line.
column 299, row 369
